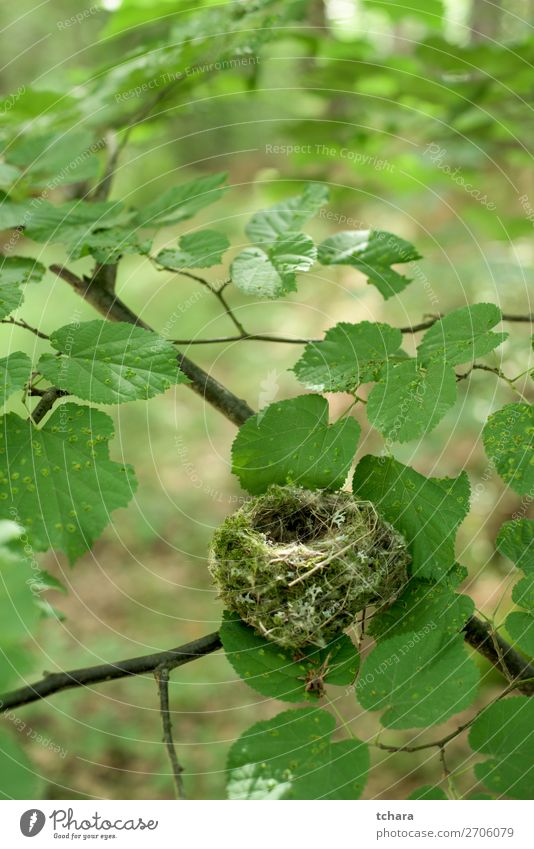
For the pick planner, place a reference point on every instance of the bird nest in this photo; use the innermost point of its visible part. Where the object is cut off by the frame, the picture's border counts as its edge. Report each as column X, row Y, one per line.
column 298, row 566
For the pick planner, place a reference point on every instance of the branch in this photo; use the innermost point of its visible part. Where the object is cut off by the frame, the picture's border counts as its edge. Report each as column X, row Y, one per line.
column 21, row 323
column 494, row 648
column 55, row 682
column 477, row 634
column 162, row 679
column 112, row 308
column 415, row 328
column 48, row 399
column 246, row 337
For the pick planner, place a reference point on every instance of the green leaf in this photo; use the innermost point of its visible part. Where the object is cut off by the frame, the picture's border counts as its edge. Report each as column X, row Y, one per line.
column 181, row 202
column 504, row 733
column 427, row 511
column 422, row 605
column 20, row 269
column 18, row 777
column 15, row 371
column 350, row 354
column 55, row 158
column 110, row 363
column 508, row 437
column 523, row 592
column 18, row 612
column 516, row 541
column 520, row 627
column 283, row 673
column 197, row 250
column 462, row 335
column 266, row 226
column 271, row 274
column 72, row 223
column 418, row 678
column 292, row 442
column 14, row 214
column 411, row 400
column 108, row 246
column 59, row 480
column 292, row 757
column 15, row 270
column 372, row 252
column 427, row 791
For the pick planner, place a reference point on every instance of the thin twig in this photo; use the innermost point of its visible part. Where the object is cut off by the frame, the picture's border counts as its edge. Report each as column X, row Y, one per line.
column 424, row 325
column 161, row 674
column 218, row 293
column 19, row 322
column 442, row 742
column 246, row 337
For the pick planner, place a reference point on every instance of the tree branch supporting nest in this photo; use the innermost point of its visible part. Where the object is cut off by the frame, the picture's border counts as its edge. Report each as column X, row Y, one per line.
column 477, row 634
column 55, row 682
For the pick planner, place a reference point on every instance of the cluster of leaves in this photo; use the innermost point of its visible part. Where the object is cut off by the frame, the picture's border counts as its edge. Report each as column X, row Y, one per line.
column 419, row 672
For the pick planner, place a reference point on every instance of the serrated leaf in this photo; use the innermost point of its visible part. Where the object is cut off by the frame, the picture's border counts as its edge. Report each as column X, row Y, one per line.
column 523, row 592
column 72, row 223
column 18, row 612
column 197, row 250
column 520, row 627
column 20, row 269
column 59, row 480
column 411, row 400
column 427, row 511
column 350, row 354
column 516, row 541
column 110, row 363
column 18, row 777
column 284, row 674
column 108, row 246
column 57, row 158
column 292, row 442
column 254, row 274
column 292, row 757
column 271, row 273
column 11, row 297
column 508, row 437
column 504, row 733
column 372, row 252
column 292, row 252
column 421, row 605
column 16, row 599
column 418, row 678
column 181, row 202
column 462, row 335
column 267, row 225
column 427, row 791
column 15, row 371
column 14, row 214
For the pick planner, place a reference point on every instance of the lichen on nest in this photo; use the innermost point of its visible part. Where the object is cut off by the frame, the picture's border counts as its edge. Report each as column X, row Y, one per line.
column 298, row 566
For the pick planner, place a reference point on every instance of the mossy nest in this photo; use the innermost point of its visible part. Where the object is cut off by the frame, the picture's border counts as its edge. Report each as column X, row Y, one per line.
column 298, row 566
